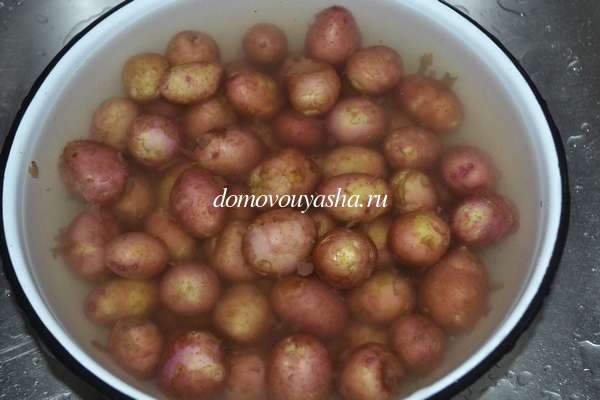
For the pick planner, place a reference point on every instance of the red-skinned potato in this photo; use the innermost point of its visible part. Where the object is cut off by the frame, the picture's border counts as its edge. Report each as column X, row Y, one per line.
column 154, row 141
column 277, row 241
column 163, row 108
column 419, row 239
column 419, row 342
column 357, row 121
column 168, row 179
column 412, row 147
column 247, row 377
column 120, row 298
column 265, row 44
column 192, row 202
column 243, row 314
column 310, row 305
column 429, row 102
column 344, row 258
column 353, row 159
column 413, row 190
column 264, row 132
column 243, row 211
column 297, row 130
column 299, row 368
column 142, row 74
column 398, row 119
column 172, row 324
column 382, row 298
column 323, row 222
column 136, row 255
column 377, row 231
column 83, row 242
column 94, row 172
column 371, row 373
column 468, row 170
column 192, row 47
column 455, row 292
column 226, row 256
column 194, row 366
column 189, row 289
column 137, row 202
column 112, row 121
column 214, row 114
column 180, row 245
column 374, row 70
column 484, row 219
column 191, row 83
column 333, row 36
column 136, row 344
column 231, row 153
column 254, row 94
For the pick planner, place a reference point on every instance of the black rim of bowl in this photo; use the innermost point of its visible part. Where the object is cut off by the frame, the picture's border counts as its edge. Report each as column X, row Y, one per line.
column 470, row 377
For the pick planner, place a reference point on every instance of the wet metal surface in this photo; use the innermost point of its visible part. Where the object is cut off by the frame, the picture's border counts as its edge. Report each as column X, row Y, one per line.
column 557, row 41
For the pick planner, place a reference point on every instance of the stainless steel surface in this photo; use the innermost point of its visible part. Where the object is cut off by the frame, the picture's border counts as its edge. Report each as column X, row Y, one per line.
column 557, row 41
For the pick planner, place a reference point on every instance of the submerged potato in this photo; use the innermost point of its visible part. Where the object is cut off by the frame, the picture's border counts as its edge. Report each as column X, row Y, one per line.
column 374, row 70
column 227, row 258
column 247, row 377
column 180, row 245
column 353, row 159
column 189, row 289
column 137, row 202
column 413, row 190
column 154, row 141
column 298, row 130
column 212, row 115
column 357, row 120
column 142, row 74
column 136, row 255
column 412, row 147
column 168, row 179
column 112, row 121
column 191, row 83
column 358, row 334
column 192, row 47
column 468, row 170
column 265, row 44
column 377, row 231
column 254, row 94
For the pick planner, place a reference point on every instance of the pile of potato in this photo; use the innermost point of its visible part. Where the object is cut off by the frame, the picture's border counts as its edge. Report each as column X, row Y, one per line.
column 277, row 303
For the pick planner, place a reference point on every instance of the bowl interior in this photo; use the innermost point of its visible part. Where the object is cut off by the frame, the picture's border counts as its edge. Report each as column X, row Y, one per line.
column 496, row 120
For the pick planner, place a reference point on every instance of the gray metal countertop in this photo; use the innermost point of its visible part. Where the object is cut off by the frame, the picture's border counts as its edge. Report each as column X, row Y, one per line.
column 558, row 43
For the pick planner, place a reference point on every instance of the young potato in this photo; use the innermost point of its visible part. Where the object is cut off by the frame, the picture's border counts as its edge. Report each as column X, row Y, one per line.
column 468, row 170
column 136, row 344
column 192, row 47
column 192, row 202
column 299, row 368
column 136, row 255
column 121, row 298
column 455, row 292
column 366, row 197
column 288, row 172
column 358, row 334
column 137, row 202
column 142, row 74
column 194, row 366
column 382, row 298
column 353, row 159
column 412, row 147
column 323, row 222
column 297, row 130
column 344, row 258
column 191, row 83
column 212, row 115
column 241, row 212
column 377, row 231
column 168, row 179
column 419, row 342
column 83, row 242
column 226, row 256
column 483, row 219
column 398, row 119
column 357, row 120
column 310, row 305
column 374, row 70
column 419, row 239
column 264, row 131
column 254, row 94
column 429, row 102
column 277, row 241
column 154, row 141
column 112, row 121
column 243, row 314
column 413, row 190
column 94, row 172
column 162, row 108
column 247, row 377
column 265, row 44
column 231, row 153
column 180, row 246
column 371, row 373
column 333, row 36
column 189, row 289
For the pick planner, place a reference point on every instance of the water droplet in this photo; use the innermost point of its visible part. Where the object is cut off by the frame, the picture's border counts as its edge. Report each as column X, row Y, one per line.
column 19, row 3
column 524, row 378
column 547, row 394
column 548, row 28
column 42, row 19
column 36, row 383
column 7, row 293
column 35, row 361
column 590, row 352
column 575, row 139
column 575, row 66
column 586, row 127
column 547, row 368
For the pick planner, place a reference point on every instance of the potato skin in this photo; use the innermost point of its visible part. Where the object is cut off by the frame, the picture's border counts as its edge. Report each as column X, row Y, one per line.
column 121, row 298
column 180, row 245
column 136, row 255
column 227, row 258
column 310, row 305
column 194, row 366
column 299, row 368
column 371, row 373
column 265, row 44
column 358, row 334
column 468, row 170
column 154, row 141
column 168, row 179
column 142, row 74
column 137, row 202
column 192, row 203
column 254, row 94
column 243, row 314
column 295, row 129
column 94, row 172
column 419, row 239
column 136, row 344
column 264, row 131
column 429, row 102
column 247, row 377
column 353, row 159
column 374, row 70
column 357, row 120
column 323, row 222
column 192, row 47
column 455, row 292
column 377, row 231
column 333, row 36
column 189, row 289
column 419, row 342
column 344, row 258
column 276, row 241
column 213, row 114
column 241, row 212
column 112, row 121
column 413, row 190
column 412, row 147
column 191, row 83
